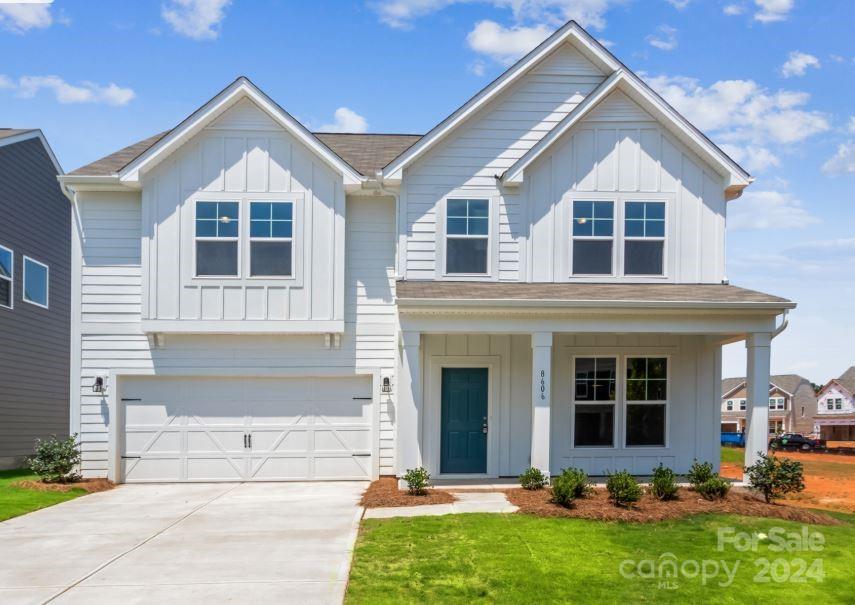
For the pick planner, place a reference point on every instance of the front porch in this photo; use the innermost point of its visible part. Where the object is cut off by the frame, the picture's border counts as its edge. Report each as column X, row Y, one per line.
column 485, row 391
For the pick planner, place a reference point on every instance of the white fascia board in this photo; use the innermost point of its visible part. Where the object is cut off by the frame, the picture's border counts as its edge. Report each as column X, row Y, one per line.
column 514, row 174
column 592, row 305
column 187, row 326
column 193, row 124
column 584, row 43
column 75, row 183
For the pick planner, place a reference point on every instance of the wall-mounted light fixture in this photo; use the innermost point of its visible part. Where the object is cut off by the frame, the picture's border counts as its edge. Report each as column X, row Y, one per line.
column 98, row 387
column 387, row 387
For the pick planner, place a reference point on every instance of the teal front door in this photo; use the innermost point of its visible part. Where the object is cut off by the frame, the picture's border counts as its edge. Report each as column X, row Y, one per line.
column 464, row 421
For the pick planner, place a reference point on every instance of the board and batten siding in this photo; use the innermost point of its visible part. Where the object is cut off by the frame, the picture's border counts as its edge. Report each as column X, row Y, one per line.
column 620, row 152
column 501, row 134
column 35, row 221
column 243, row 155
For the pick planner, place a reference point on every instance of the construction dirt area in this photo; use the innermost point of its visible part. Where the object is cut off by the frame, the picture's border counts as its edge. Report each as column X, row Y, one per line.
column 829, row 480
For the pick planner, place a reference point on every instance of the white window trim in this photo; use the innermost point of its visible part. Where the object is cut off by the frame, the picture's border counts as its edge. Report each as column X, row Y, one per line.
column 591, row 238
column 615, row 402
column 237, row 239
column 24, row 283
column 492, row 235
column 251, row 239
column 665, row 402
column 625, row 238
column 10, row 279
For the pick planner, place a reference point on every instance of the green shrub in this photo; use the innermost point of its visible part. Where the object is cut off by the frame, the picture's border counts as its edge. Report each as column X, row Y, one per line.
column 623, row 488
column 418, row 481
column 533, row 478
column 577, row 479
column 664, row 483
column 713, row 488
column 56, row 460
column 701, row 472
column 774, row 477
column 563, row 492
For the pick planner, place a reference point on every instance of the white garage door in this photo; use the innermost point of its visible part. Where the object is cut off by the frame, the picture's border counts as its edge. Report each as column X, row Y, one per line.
column 261, row 429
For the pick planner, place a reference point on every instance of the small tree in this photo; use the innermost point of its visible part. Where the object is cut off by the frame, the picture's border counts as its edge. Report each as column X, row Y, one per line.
column 774, row 477
column 56, row 460
column 418, row 481
column 699, row 473
column 533, row 478
column 663, row 485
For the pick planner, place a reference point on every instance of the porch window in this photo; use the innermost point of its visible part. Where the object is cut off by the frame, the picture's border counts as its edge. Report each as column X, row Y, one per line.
column 467, row 236
column 646, row 400
column 271, row 231
column 594, row 397
column 217, row 236
column 644, row 238
column 6, row 268
column 593, row 237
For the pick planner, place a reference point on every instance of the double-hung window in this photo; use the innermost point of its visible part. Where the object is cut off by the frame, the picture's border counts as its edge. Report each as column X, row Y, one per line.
column 593, row 237
column 646, row 400
column 467, row 236
column 36, row 278
column 741, row 405
column 838, row 404
column 594, row 398
column 644, row 238
column 829, row 404
column 729, row 405
column 7, row 276
column 271, row 244
column 217, row 239
column 776, row 403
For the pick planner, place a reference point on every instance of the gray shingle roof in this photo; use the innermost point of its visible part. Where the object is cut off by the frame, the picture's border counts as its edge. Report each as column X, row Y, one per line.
column 847, row 380
column 575, row 292
column 367, row 153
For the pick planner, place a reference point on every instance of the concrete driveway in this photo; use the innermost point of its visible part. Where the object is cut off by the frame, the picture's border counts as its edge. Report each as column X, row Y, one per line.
column 202, row 543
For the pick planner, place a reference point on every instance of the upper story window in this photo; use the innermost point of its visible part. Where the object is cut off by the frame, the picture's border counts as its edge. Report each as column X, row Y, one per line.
column 7, row 268
column 838, row 404
column 730, row 405
column 593, row 237
column 644, row 238
column 271, row 233
column 742, row 405
column 36, row 277
column 217, row 239
column 829, row 404
column 467, row 231
column 646, row 401
column 777, row 403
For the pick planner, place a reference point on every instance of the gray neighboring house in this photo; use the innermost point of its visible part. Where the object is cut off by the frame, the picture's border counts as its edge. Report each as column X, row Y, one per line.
column 35, row 266
column 792, row 404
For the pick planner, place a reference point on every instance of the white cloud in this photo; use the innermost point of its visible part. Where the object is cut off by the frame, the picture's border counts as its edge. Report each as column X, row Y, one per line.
column 196, row 19
column 755, row 159
column 798, row 63
column 588, row 13
column 679, row 4
column 842, row 162
column 768, row 210
column 345, row 120
column 28, row 87
column 770, row 11
column 664, row 39
column 851, row 125
column 20, row 18
column 743, row 113
column 505, row 44
column 732, row 10
column 478, row 68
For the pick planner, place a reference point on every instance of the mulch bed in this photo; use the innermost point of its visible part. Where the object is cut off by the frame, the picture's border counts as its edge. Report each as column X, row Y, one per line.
column 384, row 492
column 90, row 485
column 597, row 506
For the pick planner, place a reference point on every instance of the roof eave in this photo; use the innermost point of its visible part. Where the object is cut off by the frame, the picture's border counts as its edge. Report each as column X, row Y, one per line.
column 592, row 304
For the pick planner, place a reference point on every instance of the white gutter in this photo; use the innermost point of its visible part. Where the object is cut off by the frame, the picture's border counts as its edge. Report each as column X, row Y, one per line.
column 596, row 304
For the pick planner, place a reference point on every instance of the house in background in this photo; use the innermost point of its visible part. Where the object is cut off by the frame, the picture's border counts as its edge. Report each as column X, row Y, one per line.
column 835, row 411
column 35, row 269
column 537, row 281
column 792, row 404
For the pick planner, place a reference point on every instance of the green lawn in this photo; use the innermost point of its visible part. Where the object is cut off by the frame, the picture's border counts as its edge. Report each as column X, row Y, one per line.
column 527, row 559
column 733, row 455
column 15, row 501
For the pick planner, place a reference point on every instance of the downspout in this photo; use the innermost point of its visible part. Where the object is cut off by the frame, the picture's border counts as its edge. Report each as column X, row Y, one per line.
column 783, row 325
column 397, row 197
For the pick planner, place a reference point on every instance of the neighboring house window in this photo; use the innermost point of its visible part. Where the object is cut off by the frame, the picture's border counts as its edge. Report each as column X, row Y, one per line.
column 803, row 411
column 742, row 405
column 7, row 275
column 217, row 239
column 646, row 400
column 829, row 404
column 593, row 237
column 776, row 403
column 838, row 404
column 644, row 238
column 594, row 397
column 271, row 232
column 729, row 405
column 36, row 277
column 467, row 241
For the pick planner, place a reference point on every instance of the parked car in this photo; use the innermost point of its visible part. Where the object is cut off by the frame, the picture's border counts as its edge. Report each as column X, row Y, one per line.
column 795, row 441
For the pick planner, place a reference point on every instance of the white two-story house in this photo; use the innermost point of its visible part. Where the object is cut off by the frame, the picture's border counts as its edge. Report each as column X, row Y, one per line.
column 537, row 281
column 835, row 411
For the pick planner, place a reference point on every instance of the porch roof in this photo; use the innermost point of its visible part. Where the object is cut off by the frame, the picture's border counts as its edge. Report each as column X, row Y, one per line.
column 467, row 293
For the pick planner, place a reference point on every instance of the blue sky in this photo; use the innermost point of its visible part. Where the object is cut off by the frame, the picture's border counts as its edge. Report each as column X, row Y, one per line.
column 770, row 80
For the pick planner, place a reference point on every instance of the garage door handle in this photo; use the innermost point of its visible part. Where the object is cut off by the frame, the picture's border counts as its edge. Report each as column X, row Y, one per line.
column 244, row 441
column 131, row 457
column 362, row 455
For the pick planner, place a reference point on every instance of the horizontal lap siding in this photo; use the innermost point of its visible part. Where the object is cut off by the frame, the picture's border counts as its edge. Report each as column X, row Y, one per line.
column 484, row 148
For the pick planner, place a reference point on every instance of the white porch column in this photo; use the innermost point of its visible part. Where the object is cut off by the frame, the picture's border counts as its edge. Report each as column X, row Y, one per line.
column 759, row 345
column 409, row 413
column 541, row 398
